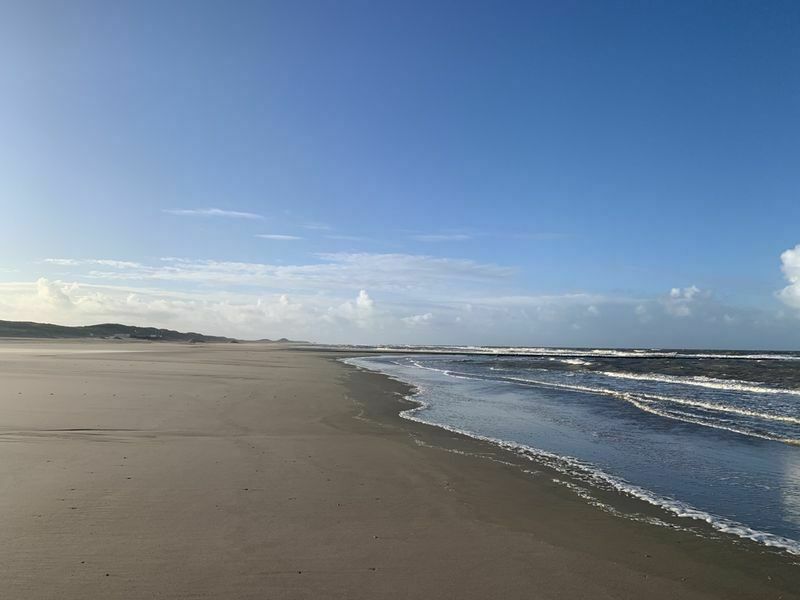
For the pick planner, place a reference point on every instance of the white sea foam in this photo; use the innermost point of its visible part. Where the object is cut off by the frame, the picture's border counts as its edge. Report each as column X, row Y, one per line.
column 705, row 382
column 442, row 371
column 590, row 473
column 582, row 352
column 636, row 398
column 676, row 415
column 648, row 403
column 572, row 361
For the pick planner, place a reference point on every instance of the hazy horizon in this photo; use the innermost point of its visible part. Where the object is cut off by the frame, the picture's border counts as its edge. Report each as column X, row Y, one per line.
column 532, row 174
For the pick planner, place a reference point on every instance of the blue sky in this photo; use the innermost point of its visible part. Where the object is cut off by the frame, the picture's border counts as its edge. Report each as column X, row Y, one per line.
column 560, row 173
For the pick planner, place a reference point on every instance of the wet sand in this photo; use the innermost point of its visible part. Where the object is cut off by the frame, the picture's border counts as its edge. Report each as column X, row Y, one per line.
column 267, row 471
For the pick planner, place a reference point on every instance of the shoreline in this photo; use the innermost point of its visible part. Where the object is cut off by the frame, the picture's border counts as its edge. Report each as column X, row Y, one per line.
column 708, row 545
column 679, row 514
column 244, row 471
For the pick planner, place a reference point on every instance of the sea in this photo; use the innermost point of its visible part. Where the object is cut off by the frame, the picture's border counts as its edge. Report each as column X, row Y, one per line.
column 710, row 436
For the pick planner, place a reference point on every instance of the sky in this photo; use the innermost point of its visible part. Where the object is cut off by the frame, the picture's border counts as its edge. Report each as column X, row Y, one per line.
column 529, row 173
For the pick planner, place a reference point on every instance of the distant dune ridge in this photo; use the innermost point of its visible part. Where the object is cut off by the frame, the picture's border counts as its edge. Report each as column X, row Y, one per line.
column 29, row 329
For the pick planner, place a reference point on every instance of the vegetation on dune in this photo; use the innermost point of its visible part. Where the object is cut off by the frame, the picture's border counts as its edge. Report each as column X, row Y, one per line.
column 25, row 329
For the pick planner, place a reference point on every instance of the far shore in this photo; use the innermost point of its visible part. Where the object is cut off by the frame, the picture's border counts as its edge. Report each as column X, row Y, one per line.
column 274, row 470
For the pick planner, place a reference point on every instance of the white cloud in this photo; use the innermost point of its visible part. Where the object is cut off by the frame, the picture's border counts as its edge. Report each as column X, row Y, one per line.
column 114, row 264
column 417, row 320
column 400, row 273
column 360, row 313
column 278, row 236
column 364, row 302
column 686, row 293
column 541, row 300
column 406, row 271
column 53, row 294
column 790, row 265
column 117, row 264
column 212, row 212
column 680, row 300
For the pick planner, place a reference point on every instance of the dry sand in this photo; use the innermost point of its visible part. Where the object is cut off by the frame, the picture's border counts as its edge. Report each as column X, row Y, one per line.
column 261, row 471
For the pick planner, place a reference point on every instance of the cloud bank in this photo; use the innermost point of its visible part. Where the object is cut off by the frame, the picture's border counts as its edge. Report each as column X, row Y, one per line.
column 385, row 298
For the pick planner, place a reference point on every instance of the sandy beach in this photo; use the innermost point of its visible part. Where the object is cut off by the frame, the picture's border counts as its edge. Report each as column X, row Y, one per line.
column 148, row 470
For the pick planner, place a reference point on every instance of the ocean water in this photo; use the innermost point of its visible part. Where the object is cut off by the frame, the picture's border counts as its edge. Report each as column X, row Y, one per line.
column 712, row 436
